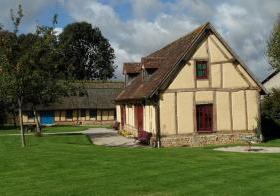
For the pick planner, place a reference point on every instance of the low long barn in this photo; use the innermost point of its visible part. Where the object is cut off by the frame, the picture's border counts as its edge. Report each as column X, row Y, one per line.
column 96, row 107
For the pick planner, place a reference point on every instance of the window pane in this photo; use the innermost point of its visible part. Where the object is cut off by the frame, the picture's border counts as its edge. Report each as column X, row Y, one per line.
column 30, row 115
column 93, row 113
column 69, row 114
column 83, row 113
column 201, row 69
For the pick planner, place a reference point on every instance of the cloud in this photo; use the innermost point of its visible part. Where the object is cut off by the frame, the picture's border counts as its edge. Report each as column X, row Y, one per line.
column 247, row 28
column 244, row 24
column 143, row 26
column 135, row 37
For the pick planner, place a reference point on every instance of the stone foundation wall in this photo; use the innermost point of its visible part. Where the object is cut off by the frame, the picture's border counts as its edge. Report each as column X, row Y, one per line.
column 196, row 140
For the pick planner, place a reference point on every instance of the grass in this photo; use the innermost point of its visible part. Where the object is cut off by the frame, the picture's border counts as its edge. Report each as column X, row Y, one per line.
column 52, row 129
column 70, row 165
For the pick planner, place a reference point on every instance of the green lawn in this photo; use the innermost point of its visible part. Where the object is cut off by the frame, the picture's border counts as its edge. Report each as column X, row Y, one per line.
column 51, row 129
column 70, row 165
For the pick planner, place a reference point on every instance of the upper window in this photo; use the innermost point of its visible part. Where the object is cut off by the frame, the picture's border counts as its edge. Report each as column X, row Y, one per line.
column 201, row 70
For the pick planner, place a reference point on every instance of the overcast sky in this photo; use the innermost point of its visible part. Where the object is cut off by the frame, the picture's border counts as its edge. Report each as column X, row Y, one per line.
column 137, row 27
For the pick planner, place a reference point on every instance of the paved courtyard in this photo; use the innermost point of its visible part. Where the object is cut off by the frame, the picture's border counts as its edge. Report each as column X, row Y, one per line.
column 110, row 137
column 254, row 149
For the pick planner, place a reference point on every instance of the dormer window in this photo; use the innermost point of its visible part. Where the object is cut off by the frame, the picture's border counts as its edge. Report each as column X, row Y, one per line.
column 148, row 73
column 201, row 70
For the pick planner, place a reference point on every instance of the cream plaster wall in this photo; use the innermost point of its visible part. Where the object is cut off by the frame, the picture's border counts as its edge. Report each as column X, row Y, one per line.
column 185, row 78
column 57, row 115
column 252, row 108
column 167, row 114
column 201, row 52
column 215, row 51
column 185, row 112
column 238, row 111
column 26, row 120
column 246, row 75
column 130, row 115
column 231, row 78
column 118, row 110
column 204, row 96
column 202, row 83
column 216, row 78
column 223, row 111
column 149, row 119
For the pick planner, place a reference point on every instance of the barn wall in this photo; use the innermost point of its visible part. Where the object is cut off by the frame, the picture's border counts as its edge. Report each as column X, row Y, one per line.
column 185, row 79
column 229, row 88
column 252, row 97
column 149, row 119
column 185, row 111
column 167, row 114
column 118, row 113
column 239, row 110
column 223, row 111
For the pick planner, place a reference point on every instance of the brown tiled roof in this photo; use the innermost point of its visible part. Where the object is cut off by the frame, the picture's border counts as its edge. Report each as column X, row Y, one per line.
column 172, row 54
column 99, row 95
column 131, row 68
column 152, row 62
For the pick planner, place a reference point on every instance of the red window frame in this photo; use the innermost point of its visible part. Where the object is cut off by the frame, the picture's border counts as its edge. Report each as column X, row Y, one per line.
column 204, row 118
column 205, row 70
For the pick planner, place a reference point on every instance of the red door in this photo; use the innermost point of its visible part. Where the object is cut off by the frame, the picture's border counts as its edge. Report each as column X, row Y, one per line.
column 204, row 118
column 123, row 116
column 139, row 118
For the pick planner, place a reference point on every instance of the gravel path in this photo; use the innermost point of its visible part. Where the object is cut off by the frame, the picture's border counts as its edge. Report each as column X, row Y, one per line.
column 254, row 149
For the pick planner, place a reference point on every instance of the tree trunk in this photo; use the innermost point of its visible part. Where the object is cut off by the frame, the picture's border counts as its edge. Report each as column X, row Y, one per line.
column 38, row 128
column 23, row 143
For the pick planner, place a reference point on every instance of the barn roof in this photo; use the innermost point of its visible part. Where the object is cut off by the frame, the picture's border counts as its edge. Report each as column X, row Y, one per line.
column 100, row 95
column 175, row 55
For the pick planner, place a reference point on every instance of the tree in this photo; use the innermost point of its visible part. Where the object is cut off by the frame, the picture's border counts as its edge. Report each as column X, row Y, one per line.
column 87, row 52
column 29, row 74
column 273, row 46
column 13, row 78
column 48, row 83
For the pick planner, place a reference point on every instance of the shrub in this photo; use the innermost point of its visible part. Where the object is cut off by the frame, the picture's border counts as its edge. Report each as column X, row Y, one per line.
column 270, row 115
column 144, row 137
